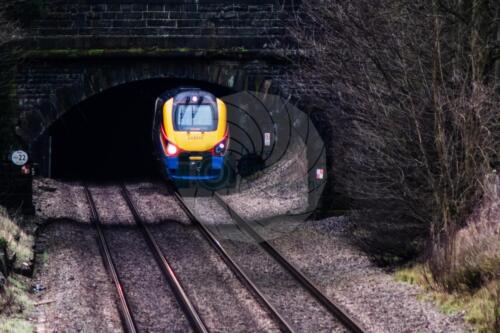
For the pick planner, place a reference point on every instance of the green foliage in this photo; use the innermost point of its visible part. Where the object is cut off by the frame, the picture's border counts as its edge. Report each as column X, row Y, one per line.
column 44, row 259
column 481, row 306
column 3, row 243
column 15, row 307
column 16, row 325
column 16, row 240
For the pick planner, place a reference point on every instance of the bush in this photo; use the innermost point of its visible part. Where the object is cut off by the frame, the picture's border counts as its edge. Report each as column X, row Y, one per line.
column 409, row 90
column 472, row 259
column 15, row 307
column 18, row 243
column 414, row 114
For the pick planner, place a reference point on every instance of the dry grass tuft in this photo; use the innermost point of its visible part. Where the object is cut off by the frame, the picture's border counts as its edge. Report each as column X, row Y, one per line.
column 15, row 306
column 467, row 278
column 472, row 258
column 481, row 308
column 18, row 242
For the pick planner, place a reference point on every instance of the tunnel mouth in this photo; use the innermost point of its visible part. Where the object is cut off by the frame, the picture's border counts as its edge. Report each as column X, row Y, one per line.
column 250, row 164
column 107, row 137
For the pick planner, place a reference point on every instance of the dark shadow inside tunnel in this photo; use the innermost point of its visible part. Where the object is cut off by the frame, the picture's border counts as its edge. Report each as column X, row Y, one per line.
column 108, row 136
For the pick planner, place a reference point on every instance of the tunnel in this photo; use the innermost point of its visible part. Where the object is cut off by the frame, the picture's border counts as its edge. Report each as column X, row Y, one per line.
column 108, row 136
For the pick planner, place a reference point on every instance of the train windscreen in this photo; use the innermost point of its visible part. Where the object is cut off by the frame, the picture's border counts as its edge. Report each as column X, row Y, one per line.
column 200, row 117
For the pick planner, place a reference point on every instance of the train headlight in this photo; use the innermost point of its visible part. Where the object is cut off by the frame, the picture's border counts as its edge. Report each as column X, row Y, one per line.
column 171, row 150
column 219, row 149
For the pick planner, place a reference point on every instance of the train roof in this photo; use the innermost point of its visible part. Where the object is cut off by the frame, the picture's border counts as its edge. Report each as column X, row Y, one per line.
column 183, row 91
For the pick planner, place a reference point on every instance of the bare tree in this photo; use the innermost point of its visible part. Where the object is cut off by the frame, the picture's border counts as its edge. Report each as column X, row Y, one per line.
column 416, row 120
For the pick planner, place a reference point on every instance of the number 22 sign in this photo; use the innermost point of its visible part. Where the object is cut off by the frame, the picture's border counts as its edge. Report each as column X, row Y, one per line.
column 19, row 157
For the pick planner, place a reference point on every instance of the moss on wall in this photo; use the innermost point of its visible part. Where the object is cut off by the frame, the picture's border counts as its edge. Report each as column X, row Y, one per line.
column 131, row 52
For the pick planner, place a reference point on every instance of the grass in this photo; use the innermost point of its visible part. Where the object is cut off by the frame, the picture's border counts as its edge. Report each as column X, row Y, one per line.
column 15, row 304
column 481, row 307
column 17, row 242
column 464, row 274
column 16, row 325
column 15, row 307
column 44, row 258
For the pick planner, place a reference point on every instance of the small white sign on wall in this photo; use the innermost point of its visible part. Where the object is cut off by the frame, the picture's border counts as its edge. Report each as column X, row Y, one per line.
column 267, row 139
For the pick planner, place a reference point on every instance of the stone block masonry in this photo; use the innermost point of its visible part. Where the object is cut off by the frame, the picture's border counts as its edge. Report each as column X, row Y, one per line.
column 79, row 48
column 245, row 19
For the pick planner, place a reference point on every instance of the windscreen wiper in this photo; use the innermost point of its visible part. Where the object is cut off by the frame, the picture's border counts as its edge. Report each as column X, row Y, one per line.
column 195, row 109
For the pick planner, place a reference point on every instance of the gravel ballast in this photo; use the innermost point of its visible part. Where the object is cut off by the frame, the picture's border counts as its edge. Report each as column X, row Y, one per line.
column 293, row 302
column 152, row 302
column 60, row 200
column 320, row 248
column 223, row 302
column 77, row 295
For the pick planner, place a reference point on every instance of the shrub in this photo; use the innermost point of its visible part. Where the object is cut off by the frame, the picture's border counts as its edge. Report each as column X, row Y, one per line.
column 18, row 242
column 414, row 114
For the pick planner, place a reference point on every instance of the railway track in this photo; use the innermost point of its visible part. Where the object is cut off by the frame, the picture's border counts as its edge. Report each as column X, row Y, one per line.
column 181, row 295
column 194, row 318
column 335, row 309
column 126, row 313
column 284, row 325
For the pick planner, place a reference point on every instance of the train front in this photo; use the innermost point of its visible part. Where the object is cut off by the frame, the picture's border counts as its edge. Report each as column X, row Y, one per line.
column 193, row 135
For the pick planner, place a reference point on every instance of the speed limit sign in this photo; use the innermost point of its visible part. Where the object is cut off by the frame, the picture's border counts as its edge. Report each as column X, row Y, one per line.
column 19, row 157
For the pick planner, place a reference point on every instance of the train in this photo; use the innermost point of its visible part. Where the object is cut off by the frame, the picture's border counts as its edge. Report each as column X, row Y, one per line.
column 191, row 135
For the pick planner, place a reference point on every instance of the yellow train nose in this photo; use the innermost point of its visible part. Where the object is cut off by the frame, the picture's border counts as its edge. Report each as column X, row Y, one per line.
column 195, row 140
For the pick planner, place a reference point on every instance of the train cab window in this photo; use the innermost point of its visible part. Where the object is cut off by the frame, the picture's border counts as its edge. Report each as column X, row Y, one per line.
column 198, row 117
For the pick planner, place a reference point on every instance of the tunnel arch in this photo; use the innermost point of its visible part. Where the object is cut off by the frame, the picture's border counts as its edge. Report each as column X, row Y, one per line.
column 106, row 136
column 79, row 83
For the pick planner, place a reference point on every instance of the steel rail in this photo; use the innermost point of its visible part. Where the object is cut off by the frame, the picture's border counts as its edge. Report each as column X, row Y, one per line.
column 335, row 309
column 126, row 314
column 181, row 295
column 242, row 276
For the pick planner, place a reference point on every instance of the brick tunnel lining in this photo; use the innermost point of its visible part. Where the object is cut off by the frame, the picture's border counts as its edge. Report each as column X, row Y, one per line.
column 108, row 136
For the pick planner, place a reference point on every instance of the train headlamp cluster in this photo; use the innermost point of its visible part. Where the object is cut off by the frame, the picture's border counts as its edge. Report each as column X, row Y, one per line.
column 171, row 149
column 219, row 149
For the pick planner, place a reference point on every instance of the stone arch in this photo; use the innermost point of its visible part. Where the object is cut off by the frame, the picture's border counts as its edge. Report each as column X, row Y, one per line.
column 35, row 120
